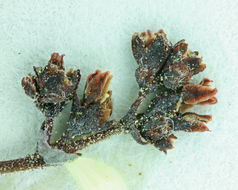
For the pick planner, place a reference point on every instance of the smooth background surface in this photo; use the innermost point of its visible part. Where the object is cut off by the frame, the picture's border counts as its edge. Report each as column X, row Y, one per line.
column 96, row 34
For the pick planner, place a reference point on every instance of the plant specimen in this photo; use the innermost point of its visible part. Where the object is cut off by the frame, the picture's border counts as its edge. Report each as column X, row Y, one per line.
column 164, row 71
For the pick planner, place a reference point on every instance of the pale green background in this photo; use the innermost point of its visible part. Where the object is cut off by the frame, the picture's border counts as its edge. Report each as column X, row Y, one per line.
column 96, row 34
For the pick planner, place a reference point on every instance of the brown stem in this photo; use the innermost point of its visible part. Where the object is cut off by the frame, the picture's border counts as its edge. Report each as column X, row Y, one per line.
column 35, row 160
column 29, row 162
column 71, row 147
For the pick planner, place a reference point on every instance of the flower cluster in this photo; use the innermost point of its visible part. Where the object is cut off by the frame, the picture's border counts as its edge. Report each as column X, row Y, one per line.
column 164, row 71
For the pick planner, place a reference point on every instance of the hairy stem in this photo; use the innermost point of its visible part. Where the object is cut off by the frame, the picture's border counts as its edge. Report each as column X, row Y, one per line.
column 70, row 146
column 29, row 162
column 36, row 160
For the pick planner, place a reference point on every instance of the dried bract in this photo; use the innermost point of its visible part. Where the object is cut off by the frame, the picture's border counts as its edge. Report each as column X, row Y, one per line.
column 199, row 94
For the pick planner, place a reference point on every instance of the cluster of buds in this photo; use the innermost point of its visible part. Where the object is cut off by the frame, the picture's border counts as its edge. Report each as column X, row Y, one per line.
column 163, row 70
column 166, row 70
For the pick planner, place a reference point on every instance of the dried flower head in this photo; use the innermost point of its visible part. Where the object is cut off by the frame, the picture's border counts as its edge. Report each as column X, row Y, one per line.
column 174, row 96
column 49, row 87
column 163, row 70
